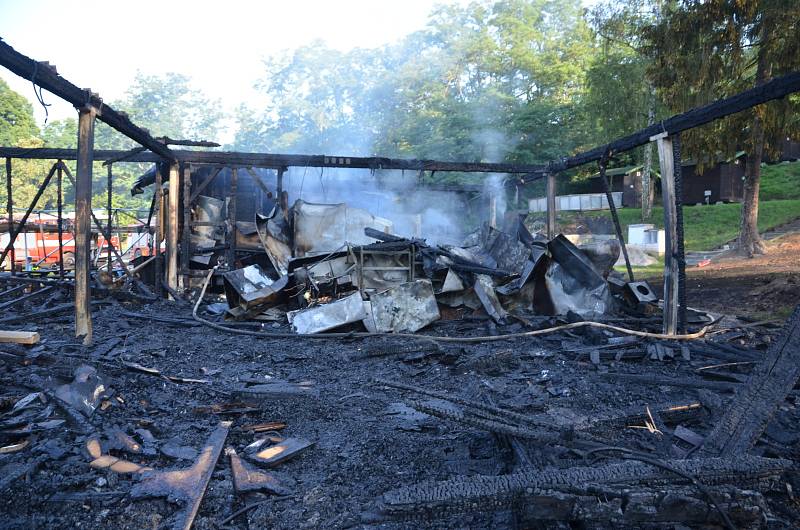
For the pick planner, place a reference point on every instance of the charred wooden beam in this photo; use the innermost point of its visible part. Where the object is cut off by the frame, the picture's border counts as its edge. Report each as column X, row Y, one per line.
column 666, row 159
column 775, row 89
column 45, row 76
column 83, row 224
column 10, row 209
column 278, row 161
column 754, row 404
column 173, row 207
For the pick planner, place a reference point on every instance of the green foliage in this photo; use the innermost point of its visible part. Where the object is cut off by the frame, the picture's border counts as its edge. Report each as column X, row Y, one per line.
column 710, row 49
column 488, row 81
column 16, row 117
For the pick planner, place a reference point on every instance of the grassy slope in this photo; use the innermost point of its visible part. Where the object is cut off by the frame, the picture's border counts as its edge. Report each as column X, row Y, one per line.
column 708, row 227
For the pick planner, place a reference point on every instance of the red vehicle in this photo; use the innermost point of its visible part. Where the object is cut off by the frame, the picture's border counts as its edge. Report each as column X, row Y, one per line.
column 42, row 248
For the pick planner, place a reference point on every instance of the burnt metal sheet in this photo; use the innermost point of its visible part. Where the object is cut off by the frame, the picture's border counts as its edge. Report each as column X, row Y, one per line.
column 324, row 228
column 509, row 253
column 281, row 452
column 484, row 288
column 407, row 307
column 185, row 486
column 641, row 292
column 251, row 288
column 328, row 316
column 247, row 478
column 573, row 283
column 85, row 392
column 275, row 235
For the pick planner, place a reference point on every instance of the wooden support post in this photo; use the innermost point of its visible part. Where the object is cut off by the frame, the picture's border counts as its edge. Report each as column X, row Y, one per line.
column 83, row 224
column 108, row 213
column 60, row 207
column 173, row 211
column 157, row 201
column 231, row 236
column 551, row 205
column 10, row 209
column 493, row 210
column 186, row 178
column 666, row 160
column 279, row 183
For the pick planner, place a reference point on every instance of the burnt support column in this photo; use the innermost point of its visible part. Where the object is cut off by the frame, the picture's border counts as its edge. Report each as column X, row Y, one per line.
column 60, row 207
column 671, row 273
column 279, row 183
column 551, row 205
column 109, row 214
column 158, row 203
column 173, row 209
column 10, row 209
column 186, row 178
column 83, row 224
column 231, row 239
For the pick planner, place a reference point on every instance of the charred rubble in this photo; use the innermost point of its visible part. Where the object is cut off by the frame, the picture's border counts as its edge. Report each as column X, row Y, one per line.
column 513, row 380
column 314, row 369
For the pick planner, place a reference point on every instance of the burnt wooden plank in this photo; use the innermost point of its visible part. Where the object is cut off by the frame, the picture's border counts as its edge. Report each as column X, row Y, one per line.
column 83, row 225
column 755, row 402
column 45, row 76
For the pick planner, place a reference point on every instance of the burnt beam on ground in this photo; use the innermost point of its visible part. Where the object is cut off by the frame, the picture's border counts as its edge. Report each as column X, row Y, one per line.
column 45, row 76
column 277, row 161
column 775, row 89
column 756, row 402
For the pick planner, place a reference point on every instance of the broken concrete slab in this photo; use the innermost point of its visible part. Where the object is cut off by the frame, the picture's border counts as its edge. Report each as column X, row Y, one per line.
column 279, row 453
column 328, row 316
column 407, row 307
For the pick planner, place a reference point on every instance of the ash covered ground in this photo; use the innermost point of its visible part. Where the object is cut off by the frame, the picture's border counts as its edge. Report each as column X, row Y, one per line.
column 367, row 437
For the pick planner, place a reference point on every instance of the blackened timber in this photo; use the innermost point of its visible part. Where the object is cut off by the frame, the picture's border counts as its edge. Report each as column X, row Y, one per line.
column 173, row 206
column 60, row 208
column 277, row 161
column 775, row 89
column 230, row 240
column 45, row 76
column 10, row 208
column 83, row 225
column 755, row 402
column 186, row 179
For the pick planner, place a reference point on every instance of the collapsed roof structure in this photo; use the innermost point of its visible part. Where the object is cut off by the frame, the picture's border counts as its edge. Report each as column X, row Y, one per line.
column 339, row 272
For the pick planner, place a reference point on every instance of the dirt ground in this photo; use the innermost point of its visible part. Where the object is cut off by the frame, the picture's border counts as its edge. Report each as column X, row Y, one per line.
column 763, row 287
column 367, row 439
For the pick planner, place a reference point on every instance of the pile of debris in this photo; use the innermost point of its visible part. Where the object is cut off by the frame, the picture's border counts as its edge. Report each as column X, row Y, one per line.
column 339, row 267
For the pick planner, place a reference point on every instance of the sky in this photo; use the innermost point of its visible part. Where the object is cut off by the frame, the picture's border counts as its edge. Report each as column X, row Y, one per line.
column 221, row 46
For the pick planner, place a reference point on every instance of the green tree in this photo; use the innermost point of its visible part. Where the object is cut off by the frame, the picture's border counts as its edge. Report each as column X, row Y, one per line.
column 16, row 117
column 706, row 50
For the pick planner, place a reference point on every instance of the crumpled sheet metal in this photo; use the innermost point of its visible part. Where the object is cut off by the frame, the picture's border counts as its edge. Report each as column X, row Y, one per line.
column 323, row 228
column 484, row 288
column 406, row 308
column 185, row 485
column 328, row 316
column 274, row 233
column 573, row 283
column 251, row 289
column 508, row 252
